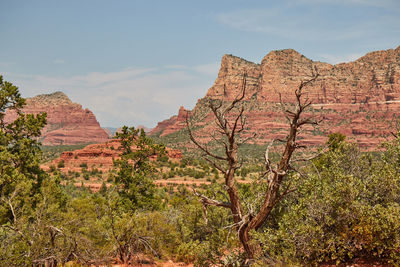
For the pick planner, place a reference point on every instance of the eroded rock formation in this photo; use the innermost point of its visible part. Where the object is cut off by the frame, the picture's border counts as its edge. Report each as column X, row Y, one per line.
column 67, row 122
column 360, row 99
column 99, row 156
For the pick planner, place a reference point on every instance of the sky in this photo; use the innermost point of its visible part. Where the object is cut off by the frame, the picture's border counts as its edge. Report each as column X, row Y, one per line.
column 136, row 62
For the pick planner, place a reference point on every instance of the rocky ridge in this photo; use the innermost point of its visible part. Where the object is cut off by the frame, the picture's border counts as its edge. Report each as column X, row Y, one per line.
column 67, row 122
column 360, row 99
column 99, row 156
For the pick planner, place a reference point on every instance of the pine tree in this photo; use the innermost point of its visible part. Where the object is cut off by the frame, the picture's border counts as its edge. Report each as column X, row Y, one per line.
column 20, row 154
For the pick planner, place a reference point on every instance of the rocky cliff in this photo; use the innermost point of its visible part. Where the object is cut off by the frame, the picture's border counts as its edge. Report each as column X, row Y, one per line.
column 67, row 122
column 360, row 99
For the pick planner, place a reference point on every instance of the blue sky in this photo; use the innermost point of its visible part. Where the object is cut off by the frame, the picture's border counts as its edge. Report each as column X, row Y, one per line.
column 135, row 62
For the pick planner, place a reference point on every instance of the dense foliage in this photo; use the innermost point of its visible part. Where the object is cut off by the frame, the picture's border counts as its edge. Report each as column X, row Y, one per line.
column 134, row 169
column 347, row 205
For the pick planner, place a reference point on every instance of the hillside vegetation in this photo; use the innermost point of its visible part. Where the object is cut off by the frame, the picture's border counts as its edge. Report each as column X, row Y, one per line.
column 345, row 206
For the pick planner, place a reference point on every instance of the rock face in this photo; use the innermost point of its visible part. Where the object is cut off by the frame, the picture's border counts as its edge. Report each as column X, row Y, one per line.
column 173, row 124
column 99, row 156
column 360, row 99
column 67, row 122
column 145, row 129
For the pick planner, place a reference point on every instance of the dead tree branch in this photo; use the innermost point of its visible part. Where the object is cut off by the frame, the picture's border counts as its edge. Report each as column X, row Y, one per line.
column 229, row 126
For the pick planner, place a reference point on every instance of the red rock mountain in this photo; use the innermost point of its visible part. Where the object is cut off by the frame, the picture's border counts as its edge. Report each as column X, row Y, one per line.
column 67, row 122
column 360, row 99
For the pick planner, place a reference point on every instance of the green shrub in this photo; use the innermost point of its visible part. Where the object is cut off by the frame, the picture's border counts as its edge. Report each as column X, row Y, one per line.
column 52, row 168
column 61, row 164
column 83, row 165
column 346, row 207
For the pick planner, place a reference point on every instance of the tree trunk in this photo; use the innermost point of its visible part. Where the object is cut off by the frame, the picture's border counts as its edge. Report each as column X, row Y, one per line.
column 245, row 239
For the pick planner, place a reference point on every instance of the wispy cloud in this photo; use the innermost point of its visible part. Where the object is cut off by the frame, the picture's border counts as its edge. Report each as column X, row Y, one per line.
column 311, row 19
column 6, row 64
column 373, row 3
column 131, row 96
column 209, row 69
column 277, row 22
column 59, row 61
column 335, row 59
column 175, row 67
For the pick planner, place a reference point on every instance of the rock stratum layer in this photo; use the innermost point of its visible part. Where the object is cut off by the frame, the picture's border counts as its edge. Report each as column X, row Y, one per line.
column 99, row 156
column 67, row 122
column 360, row 99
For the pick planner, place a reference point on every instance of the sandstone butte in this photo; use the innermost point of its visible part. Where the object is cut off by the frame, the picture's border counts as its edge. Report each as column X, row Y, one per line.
column 67, row 122
column 360, row 99
column 99, row 156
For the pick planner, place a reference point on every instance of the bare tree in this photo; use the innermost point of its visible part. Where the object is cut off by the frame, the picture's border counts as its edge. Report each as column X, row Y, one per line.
column 230, row 122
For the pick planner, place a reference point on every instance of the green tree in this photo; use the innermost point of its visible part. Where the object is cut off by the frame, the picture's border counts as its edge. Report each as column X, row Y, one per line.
column 133, row 195
column 335, row 140
column 133, row 178
column 20, row 154
column 21, row 177
column 346, row 207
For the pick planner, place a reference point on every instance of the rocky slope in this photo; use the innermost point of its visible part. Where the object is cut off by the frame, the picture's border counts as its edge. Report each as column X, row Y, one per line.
column 67, row 122
column 99, row 156
column 360, row 99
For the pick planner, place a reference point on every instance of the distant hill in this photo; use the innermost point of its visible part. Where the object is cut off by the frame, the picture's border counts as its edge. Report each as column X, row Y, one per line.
column 360, row 99
column 110, row 131
column 67, row 122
